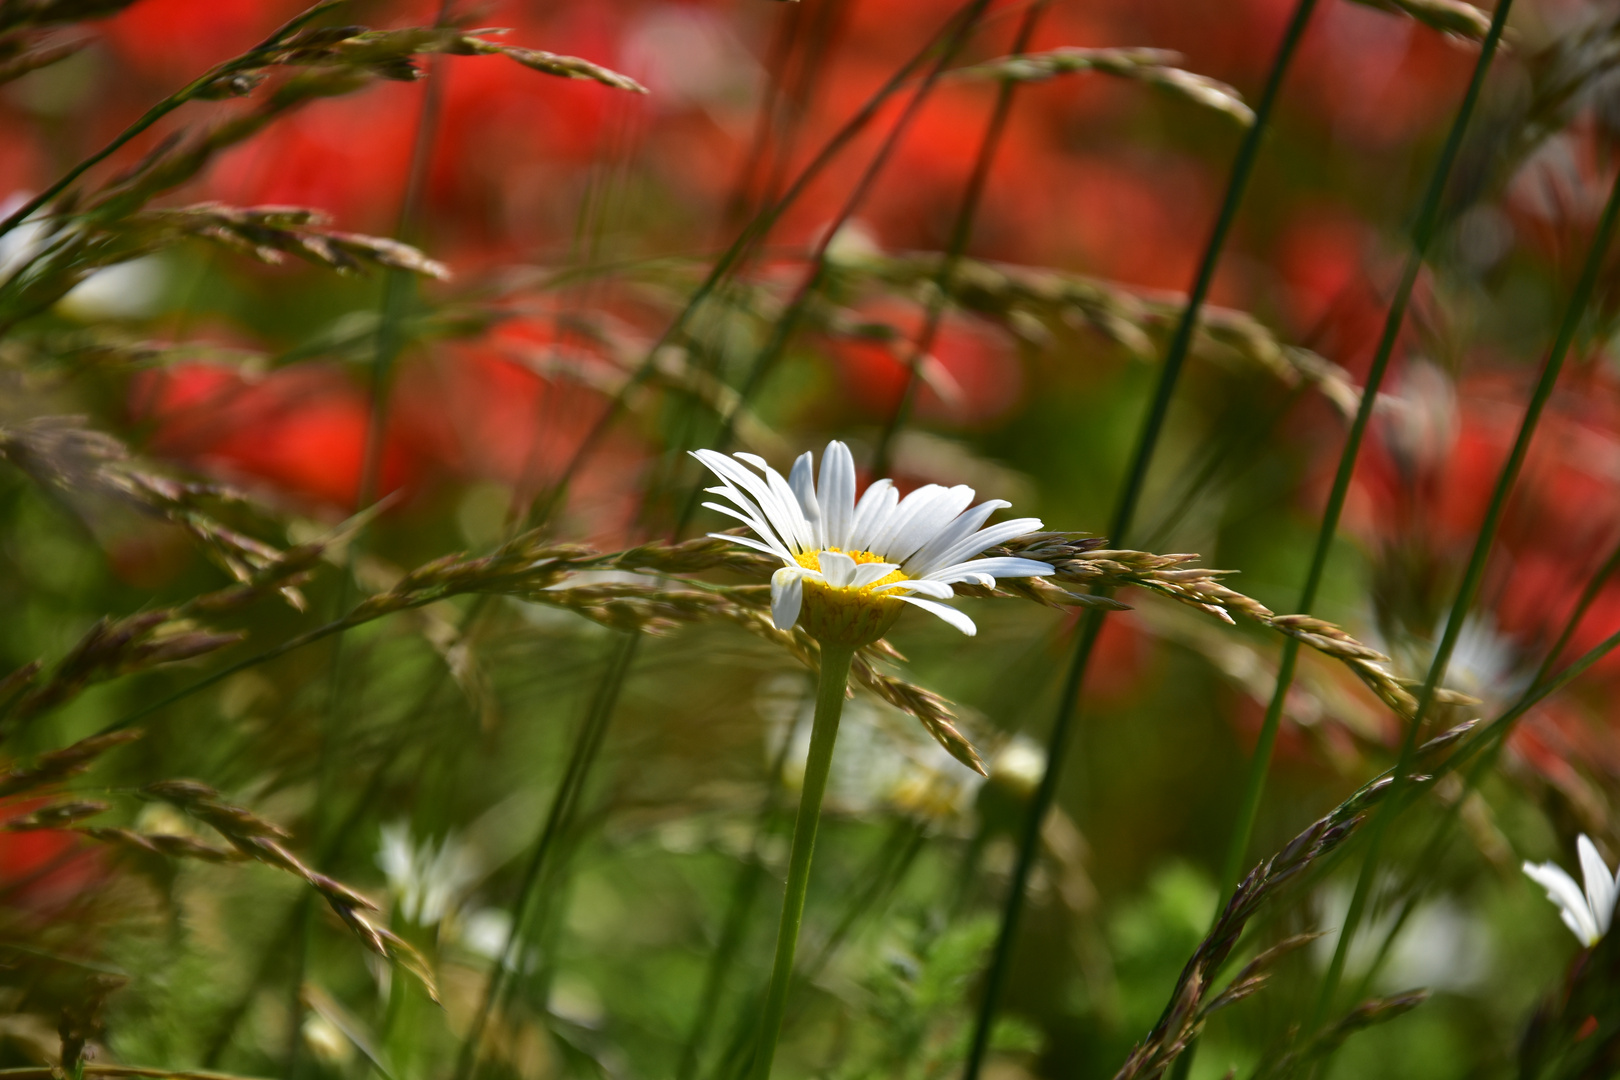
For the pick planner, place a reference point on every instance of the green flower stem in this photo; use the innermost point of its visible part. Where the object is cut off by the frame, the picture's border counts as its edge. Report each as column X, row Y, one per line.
column 835, row 661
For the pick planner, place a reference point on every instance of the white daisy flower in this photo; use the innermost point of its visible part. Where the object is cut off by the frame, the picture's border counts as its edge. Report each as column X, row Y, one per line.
column 848, row 564
column 1587, row 914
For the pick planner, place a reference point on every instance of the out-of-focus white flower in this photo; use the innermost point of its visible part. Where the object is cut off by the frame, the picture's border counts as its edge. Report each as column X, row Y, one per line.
column 1442, row 945
column 427, row 879
column 23, row 242
column 1589, row 913
column 848, row 565
column 932, row 786
column 1019, row 766
column 325, row 1040
column 126, row 290
column 687, row 55
column 1485, row 662
column 485, row 932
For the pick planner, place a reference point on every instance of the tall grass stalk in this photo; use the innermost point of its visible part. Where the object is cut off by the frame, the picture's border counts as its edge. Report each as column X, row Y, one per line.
column 398, row 296
column 1124, row 515
column 735, row 255
column 1474, row 573
column 961, row 233
column 587, row 745
column 1423, row 234
column 787, row 323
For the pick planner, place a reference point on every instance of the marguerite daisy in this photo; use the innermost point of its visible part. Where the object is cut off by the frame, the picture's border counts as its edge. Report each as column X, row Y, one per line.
column 849, row 565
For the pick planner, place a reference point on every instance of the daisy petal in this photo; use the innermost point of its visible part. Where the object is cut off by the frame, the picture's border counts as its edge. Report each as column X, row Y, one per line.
column 837, row 568
column 1003, row 566
column 784, row 515
column 929, row 521
column 753, row 522
column 944, row 611
column 1599, row 886
column 757, row 545
column 937, row 589
column 872, row 511
column 804, row 532
column 787, row 596
column 1562, row 890
column 969, row 546
column 1585, row 936
column 871, row 573
column 837, row 493
column 918, row 518
column 803, row 482
column 967, row 523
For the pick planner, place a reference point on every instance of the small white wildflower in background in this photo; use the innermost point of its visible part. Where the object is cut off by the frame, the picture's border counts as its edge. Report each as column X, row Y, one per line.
column 126, row 290
column 326, row 1041
column 427, row 879
column 1441, row 945
column 1587, row 914
column 1485, row 662
column 1019, row 766
column 848, row 565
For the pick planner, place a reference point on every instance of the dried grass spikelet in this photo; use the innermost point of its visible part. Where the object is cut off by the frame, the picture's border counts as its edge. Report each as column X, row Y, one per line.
column 27, row 42
column 107, row 226
column 112, row 648
column 118, row 1072
column 111, row 349
column 1080, row 564
column 116, row 647
column 1447, row 16
column 529, row 569
column 57, row 815
column 1193, row 1000
column 15, row 14
column 1136, row 320
column 62, row 452
column 388, row 53
column 269, row 233
column 59, row 765
column 1153, row 66
column 259, row 840
column 23, row 53
column 929, row 709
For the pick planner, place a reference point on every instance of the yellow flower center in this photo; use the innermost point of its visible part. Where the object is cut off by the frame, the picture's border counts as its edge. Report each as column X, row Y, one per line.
column 811, row 560
column 848, row 616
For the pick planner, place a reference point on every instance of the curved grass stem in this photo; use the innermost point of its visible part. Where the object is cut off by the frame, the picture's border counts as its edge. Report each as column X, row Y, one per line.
column 582, row 755
column 961, row 233
column 1423, row 233
column 835, row 661
column 1474, row 573
column 1124, row 516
